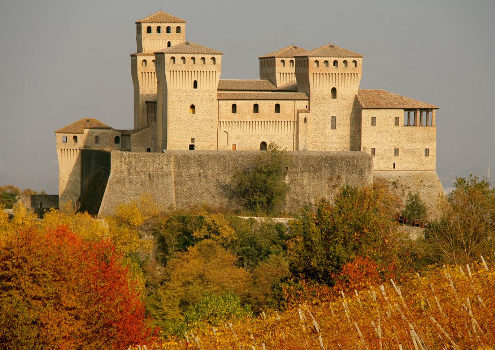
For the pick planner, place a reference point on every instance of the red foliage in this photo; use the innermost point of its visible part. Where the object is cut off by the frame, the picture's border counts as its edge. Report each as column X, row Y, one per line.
column 65, row 292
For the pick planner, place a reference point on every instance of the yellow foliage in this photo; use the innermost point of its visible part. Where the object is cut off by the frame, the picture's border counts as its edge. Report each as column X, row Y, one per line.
column 23, row 218
column 82, row 224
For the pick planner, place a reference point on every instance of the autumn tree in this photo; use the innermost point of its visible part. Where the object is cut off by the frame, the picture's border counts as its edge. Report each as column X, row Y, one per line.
column 59, row 291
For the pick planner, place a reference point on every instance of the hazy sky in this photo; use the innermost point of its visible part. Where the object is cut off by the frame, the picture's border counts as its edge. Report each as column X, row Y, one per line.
column 63, row 60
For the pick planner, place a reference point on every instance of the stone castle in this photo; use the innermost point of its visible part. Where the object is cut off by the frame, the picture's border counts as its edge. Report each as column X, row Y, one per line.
column 306, row 101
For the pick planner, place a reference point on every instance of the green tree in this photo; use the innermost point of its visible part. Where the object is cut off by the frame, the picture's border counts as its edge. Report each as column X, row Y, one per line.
column 9, row 195
column 466, row 228
column 261, row 186
column 415, row 208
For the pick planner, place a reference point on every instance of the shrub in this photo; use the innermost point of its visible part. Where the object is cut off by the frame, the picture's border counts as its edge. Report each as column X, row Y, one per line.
column 261, row 187
column 415, row 208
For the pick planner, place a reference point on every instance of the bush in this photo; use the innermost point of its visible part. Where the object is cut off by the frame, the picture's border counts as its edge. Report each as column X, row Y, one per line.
column 415, row 209
column 261, row 187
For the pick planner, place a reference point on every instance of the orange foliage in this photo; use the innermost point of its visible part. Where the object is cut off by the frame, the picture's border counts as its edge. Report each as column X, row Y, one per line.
column 449, row 308
column 59, row 291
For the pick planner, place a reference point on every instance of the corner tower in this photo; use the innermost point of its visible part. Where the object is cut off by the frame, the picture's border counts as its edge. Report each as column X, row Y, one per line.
column 279, row 66
column 331, row 76
column 155, row 32
column 187, row 105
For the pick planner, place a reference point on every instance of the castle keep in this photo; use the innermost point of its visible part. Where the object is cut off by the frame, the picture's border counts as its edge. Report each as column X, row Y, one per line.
column 306, row 101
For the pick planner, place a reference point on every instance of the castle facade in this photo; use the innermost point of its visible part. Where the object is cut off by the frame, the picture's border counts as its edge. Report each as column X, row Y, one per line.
column 305, row 100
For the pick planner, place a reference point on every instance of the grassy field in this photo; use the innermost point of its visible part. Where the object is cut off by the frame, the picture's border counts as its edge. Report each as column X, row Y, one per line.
column 448, row 308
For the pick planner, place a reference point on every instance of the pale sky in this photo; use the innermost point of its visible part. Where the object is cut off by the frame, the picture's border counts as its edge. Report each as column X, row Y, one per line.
column 62, row 60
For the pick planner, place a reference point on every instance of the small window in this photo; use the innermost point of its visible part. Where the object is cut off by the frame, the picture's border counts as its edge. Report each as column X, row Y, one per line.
column 195, row 84
column 397, row 121
column 158, row 29
column 203, row 60
column 317, row 63
column 263, row 146
column 169, row 44
column 172, row 60
column 168, row 30
column 427, row 152
column 344, row 63
column 393, row 166
column 396, row 152
column 305, row 119
column 373, row 152
column 373, row 121
column 148, row 29
column 333, row 123
column 325, row 63
column 74, row 138
column 213, row 60
column 277, row 108
column 283, row 63
column 144, row 63
column 193, row 140
column 354, row 63
column 291, row 63
column 192, row 109
column 64, row 139
column 97, row 139
column 234, row 108
column 148, row 149
column 192, row 147
column 193, row 60
column 335, row 63
column 256, row 108
column 117, row 140
column 183, row 60
column 177, row 29
column 334, row 93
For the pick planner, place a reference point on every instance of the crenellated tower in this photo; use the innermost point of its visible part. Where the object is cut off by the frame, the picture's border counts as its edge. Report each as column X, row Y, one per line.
column 155, row 32
column 279, row 66
column 187, row 104
column 330, row 76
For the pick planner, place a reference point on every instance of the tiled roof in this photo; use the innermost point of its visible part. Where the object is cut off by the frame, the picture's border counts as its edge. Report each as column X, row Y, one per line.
column 381, row 99
column 245, row 85
column 292, row 86
column 330, row 50
column 190, row 47
column 142, row 54
column 268, row 95
column 79, row 126
column 161, row 17
column 289, row 51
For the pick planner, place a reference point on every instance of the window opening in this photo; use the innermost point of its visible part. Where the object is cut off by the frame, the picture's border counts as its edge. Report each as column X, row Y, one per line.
column 192, row 109
column 234, row 108
column 277, row 108
column 256, row 108
column 373, row 152
column 195, row 84
column 97, row 139
column 148, row 29
column 334, row 93
column 335, row 63
column 333, row 123
column 117, row 140
column 74, row 138
column 177, row 29
column 373, row 121
column 263, row 146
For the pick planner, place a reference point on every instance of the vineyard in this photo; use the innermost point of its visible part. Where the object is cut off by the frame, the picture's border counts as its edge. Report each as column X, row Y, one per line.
column 449, row 308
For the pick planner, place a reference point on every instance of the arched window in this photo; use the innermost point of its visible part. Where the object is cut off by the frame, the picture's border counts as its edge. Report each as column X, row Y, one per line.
column 117, row 140
column 354, row 63
column 193, row 60
column 192, row 109
column 168, row 30
column 335, row 63
column 263, row 146
column 345, row 64
column 144, row 63
column 325, row 63
column 158, row 29
column 74, row 138
column 334, row 93
column 172, row 60
column 256, row 108
column 169, row 44
column 213, row 60
column 292, row 63
column 64, row 139
column 177, row 29
column 283, row 63
column 195, row 84
column 203, row 60
column 317, row 63
column 97, row 139
column 148, row 29
column 234, row 108
column 183, row 60
column 277, row 108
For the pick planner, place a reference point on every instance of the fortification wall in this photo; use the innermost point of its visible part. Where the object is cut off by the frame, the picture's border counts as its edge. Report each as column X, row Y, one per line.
column 181, row 179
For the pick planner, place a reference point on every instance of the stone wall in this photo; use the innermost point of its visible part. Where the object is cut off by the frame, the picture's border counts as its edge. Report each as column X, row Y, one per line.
column 182, row 179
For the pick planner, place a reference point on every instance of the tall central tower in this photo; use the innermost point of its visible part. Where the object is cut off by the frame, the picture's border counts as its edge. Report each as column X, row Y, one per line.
column 153, row 33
